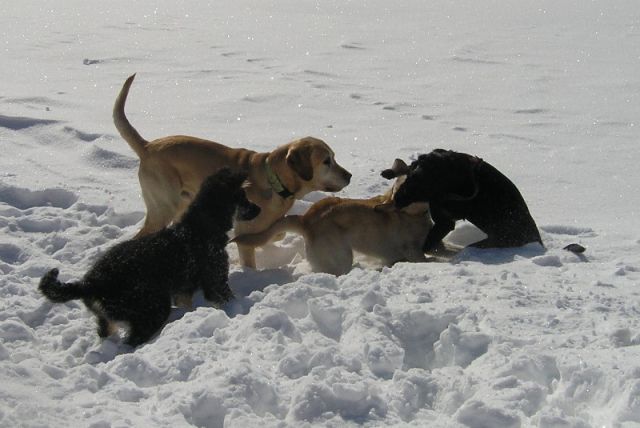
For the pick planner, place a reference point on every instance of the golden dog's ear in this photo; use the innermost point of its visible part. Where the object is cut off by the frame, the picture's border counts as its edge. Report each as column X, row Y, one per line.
column 416, row 208
column 299, row 160
column 385, row 207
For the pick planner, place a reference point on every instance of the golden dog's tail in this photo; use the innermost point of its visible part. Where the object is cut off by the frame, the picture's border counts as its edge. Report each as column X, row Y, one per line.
column 128, row 132
column 290, row 223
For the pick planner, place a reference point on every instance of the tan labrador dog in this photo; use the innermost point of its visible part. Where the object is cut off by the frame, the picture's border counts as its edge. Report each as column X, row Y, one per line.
column 172, row 169
column 335, row 227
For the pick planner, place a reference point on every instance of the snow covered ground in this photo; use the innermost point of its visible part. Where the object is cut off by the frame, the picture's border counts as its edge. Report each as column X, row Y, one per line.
column 547, row 91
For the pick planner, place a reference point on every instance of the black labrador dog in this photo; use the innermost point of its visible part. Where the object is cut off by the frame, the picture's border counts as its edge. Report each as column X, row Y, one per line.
column 135, row 281
column 459, row 186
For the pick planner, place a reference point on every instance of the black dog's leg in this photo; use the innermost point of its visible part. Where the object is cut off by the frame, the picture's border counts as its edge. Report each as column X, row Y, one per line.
column 486, row 243
column 138, row 335
column 217, row 290
column 213, row 278
column 104, row 327
column 147, row 323
column 436, row 234
column 443, row 224
column 503, row 241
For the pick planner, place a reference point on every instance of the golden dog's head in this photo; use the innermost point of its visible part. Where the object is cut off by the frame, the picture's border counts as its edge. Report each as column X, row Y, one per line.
column 399, row 171
column 314, row 162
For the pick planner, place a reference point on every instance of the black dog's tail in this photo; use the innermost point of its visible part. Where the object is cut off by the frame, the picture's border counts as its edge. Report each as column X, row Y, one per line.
column 57, row 291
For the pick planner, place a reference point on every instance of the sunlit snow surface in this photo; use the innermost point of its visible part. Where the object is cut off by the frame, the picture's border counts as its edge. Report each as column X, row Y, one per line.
column 546, row 91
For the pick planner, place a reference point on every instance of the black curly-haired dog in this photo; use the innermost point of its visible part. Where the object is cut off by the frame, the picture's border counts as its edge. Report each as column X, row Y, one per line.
column 459, row 186
column 134, row 281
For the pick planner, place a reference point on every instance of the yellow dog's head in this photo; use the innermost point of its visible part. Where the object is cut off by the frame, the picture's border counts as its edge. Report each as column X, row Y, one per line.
column 313, row 162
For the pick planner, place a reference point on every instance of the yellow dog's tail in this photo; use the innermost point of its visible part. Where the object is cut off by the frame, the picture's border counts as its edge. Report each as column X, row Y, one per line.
column 290, row 223
column 128, row 132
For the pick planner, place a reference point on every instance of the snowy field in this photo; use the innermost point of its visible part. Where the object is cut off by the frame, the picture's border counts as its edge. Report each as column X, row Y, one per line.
column 546, row 91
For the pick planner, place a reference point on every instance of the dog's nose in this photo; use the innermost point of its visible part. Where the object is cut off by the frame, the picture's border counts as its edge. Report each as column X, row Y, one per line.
column 347, row 176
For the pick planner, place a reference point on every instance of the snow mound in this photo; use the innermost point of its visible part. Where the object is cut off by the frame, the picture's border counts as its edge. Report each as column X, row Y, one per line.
column 548, row 92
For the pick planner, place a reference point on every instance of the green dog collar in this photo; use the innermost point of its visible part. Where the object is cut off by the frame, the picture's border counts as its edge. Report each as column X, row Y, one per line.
column 275, row 182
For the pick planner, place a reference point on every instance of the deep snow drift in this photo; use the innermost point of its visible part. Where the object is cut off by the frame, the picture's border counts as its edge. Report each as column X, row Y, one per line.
column 548, row 92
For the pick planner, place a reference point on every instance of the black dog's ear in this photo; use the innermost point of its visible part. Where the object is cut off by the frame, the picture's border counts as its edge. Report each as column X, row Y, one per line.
column 398, row 168
column 240, row 179
column 209, row 184
column 247, row 210
column 388, row 174
column 299, row 160
column 232, row 178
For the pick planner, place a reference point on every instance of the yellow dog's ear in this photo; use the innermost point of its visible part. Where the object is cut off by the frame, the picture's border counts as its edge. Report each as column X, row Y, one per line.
column 299, row 160
column 416, row 208
column 385, row 207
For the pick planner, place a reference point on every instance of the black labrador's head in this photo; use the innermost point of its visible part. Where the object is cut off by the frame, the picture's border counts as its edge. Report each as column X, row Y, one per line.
column 440, row 175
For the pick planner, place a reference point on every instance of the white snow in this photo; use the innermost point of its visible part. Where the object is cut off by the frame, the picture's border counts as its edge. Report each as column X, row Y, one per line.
column 546, row 91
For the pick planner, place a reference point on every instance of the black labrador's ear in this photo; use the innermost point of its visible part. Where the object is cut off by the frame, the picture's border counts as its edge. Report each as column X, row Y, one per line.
column 388, row 174
column 299, row 160
column 398, row 168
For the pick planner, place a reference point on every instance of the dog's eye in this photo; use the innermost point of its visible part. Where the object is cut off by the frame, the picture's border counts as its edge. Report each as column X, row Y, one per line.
column 327, row 161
